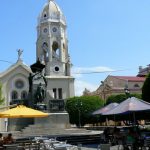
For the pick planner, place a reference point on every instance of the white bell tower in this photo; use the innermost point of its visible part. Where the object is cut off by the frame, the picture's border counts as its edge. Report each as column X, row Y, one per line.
column 52, row 50
column 52, row 43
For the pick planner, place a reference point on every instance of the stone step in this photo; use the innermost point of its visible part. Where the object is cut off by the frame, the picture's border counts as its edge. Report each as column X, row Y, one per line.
column 49, row 131
column 33, row 130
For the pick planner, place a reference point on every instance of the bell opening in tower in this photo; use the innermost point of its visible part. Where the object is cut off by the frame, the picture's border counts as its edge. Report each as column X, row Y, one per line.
column 55, row 50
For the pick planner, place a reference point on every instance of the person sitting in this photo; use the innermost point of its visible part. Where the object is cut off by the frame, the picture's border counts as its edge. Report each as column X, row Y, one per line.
column 1, row 139
column 118, row 138
column 132, row 138
column 106, row 135
column 8, row 139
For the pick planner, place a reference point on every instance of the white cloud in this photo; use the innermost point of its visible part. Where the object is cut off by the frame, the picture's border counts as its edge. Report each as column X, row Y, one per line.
column 78, row 71
column 81, row 85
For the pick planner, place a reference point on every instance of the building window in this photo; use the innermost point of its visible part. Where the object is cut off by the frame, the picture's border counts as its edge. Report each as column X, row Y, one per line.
column 19, row 84
column 136, row 86
column 56, row 69
column 54, row 93
column 23, row 95
column 55, row 50
column 45, row 45
column 45, row 52
column 60, row 93
column 14, row 95
column 45, row 15
column 54, row 29
column 45, row 30
column 64, row 47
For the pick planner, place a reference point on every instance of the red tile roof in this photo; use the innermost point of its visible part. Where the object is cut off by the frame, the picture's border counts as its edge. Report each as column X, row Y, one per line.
column 131, row 78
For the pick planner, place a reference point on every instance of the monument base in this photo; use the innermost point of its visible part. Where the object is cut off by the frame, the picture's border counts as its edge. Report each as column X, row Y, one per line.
column 17, row 124
column 54, row 120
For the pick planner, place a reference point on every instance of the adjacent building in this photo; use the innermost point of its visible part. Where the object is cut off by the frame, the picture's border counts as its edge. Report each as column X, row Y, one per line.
column 114, row 85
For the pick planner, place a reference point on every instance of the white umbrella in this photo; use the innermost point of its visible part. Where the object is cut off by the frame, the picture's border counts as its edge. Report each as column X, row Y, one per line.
column 130, row 105
column 105, row 109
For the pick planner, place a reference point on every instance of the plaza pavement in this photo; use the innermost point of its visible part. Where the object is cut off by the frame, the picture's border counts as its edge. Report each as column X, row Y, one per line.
column 111, row 148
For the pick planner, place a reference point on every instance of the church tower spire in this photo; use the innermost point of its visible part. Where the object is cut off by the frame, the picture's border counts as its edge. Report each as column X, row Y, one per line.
column 52, row 42
column 52, row 50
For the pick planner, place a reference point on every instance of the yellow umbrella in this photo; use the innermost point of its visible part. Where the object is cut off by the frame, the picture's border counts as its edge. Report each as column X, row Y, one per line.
column 22, row 112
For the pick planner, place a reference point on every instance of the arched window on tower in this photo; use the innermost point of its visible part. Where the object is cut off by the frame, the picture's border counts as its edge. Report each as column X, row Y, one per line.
column 14, row 95
column 64, row 47
column 55, row 50
column 44, row 55
column 23, row 95
column 45, row 15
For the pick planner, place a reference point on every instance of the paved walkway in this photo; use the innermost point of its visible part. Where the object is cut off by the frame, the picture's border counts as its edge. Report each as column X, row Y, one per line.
column 111, row 148
column 84, row 148
column 117, row 147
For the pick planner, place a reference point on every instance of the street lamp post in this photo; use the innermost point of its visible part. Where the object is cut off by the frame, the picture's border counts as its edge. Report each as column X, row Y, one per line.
column 127, row 91
column 78, row 105
column 79, row 118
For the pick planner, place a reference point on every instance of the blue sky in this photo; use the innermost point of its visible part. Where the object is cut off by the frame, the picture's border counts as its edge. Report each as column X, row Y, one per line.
column 103, row 35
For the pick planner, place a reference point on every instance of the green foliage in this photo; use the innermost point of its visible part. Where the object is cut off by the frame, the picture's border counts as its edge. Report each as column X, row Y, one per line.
column 83, row 106
column 120, row 98
column 116, row 98
column 1, row 95
column 137, row 95
column 146, row 89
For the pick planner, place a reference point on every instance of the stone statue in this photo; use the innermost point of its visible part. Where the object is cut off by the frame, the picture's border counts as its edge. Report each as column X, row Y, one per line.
column 30, row 80
column 40, row 93
column 19, row 53
column 45, row 81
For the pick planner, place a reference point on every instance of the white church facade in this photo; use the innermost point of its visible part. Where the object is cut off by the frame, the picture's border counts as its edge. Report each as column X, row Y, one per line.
column 52, row 51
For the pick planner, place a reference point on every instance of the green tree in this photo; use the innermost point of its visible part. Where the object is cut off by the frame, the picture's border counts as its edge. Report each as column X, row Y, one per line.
column 116, row 98
column 1, row 95
column 146, row 89
column 80, row 109
column 120, row 98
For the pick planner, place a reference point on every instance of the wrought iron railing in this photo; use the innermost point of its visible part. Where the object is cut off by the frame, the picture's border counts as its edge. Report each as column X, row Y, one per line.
column 19, row 102
column 56, row 105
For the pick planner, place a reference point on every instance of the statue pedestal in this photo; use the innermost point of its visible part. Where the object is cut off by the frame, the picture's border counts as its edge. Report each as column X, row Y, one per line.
column 54, row 120
column 40, row 125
